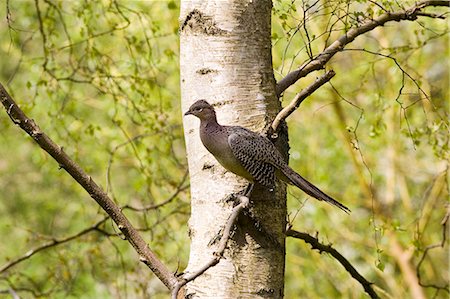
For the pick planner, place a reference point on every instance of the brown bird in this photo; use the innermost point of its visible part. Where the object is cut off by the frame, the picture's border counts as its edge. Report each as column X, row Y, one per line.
column 249, row 154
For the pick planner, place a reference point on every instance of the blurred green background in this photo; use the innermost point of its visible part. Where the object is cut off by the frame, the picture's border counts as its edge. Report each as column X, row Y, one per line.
column 101, row 78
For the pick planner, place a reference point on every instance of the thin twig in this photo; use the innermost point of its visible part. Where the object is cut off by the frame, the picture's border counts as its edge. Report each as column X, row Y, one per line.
column 243, row 203
column 302, row 95
column 155, row 206
column 315, row 244
column 146, row 255
column 320, row 60
column 54, row 242
column 441, row 244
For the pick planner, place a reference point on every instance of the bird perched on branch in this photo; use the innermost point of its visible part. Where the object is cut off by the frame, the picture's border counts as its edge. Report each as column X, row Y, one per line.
column 249, row 154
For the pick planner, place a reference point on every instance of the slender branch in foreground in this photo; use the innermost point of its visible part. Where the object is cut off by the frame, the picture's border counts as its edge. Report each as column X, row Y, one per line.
column 96, row 192
column 315, row 244
column 243, row 203
column 319, row 61
column 302, row 95
column 54, row 242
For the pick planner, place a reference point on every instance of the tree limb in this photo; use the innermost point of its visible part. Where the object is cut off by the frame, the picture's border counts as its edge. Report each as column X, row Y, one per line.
column 320, row 60
column 315, row 244
column 244, row 201
column 146, row 255
column 295, row 103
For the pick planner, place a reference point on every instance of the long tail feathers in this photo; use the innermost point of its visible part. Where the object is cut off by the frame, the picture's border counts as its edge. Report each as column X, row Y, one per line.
column 310, row 189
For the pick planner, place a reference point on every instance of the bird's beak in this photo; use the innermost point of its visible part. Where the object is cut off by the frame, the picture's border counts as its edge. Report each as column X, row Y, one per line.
column 188, row 113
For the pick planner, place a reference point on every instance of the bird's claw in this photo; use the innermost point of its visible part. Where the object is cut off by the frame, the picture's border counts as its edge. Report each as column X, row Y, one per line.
column 231, row 198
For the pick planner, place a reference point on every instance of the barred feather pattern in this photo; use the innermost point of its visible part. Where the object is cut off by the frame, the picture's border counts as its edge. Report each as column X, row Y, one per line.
column 256, row 153
column 259, row 156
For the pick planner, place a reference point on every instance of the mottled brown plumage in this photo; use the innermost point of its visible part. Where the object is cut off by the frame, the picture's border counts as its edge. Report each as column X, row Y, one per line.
column 248, row 154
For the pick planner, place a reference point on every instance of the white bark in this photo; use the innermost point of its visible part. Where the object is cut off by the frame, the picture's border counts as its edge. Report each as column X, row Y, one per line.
column 225, row 57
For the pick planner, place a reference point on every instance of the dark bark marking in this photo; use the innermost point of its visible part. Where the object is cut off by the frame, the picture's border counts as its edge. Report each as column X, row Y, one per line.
column 197, row 23
column 205, row 71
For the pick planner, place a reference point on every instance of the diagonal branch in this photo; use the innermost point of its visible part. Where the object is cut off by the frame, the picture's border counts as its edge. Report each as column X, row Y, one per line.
column 315, row 244
column 146, row 255
column 320, row 60
column 295, row 103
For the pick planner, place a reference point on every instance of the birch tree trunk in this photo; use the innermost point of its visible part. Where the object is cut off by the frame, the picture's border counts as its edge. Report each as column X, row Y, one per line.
column 225, row 57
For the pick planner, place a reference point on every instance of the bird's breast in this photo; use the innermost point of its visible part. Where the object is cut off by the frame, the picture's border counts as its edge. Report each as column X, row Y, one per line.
column 216, row 142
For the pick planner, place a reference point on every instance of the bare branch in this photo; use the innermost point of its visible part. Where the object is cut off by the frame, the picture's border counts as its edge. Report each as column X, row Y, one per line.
column 320, row 60
column 441, row 244
column 244, row 201
column 96, row 192
column 295, row 103
column 315, row 244
column 179, row 189
column 155, row 206
column 52, row 243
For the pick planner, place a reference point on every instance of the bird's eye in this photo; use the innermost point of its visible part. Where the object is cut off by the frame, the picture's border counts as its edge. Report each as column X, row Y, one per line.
column 198, row 109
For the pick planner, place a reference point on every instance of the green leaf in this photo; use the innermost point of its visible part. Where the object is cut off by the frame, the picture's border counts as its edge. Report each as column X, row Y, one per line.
column 171, row 5
column 380, row 265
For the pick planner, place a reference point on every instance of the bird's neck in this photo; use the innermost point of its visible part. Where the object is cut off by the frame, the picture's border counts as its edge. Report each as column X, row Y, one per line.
column 210, row 122
column 212, row 135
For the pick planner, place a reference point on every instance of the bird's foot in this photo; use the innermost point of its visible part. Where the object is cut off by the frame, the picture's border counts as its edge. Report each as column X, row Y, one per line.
column 233, row 198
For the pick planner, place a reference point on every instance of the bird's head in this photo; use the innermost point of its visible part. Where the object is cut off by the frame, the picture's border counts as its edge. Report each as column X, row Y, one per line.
column 202, row 109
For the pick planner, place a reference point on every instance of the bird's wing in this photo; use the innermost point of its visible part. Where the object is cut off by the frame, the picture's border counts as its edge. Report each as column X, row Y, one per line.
column 251, row 150
column 260, row 158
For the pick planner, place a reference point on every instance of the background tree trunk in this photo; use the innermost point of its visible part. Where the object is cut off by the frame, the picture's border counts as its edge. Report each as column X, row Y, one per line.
column 225, row 57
